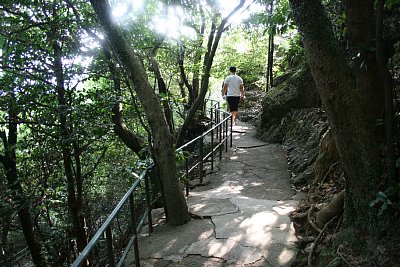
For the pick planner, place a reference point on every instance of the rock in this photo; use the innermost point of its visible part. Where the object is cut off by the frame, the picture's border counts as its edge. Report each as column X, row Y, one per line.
column 304, row 177
column 292, row 116
column 296, row 92
column 281, row 78
column 250, row 108
column 302, row 131
column 328, row 154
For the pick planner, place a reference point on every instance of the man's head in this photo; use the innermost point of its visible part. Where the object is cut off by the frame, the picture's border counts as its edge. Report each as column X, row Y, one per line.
column 232, row 69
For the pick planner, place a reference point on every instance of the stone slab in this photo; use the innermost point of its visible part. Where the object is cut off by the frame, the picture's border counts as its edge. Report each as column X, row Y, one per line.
column 206, row 207
column 227, row 249
column 167, row 241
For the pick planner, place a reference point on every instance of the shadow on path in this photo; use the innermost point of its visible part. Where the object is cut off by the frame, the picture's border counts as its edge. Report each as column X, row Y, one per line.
column 244, row 207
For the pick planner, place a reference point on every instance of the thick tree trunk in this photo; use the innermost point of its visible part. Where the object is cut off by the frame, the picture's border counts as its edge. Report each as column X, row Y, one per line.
column 356, row 143
column 163, row 142
column 361, row 34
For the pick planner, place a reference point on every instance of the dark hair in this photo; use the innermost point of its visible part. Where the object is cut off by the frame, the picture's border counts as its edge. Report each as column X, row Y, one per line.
column 232, row 69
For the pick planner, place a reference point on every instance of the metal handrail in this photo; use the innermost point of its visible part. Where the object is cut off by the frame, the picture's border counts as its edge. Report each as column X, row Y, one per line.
column 222, row 133
column 106, row 225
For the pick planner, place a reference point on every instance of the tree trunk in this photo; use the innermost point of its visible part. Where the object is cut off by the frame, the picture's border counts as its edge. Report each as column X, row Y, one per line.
column 193, row 88
column 205, row 79
column 361, row 34
column 184, row 77
column 9, row 161
column 5, row 228
column 388, row 89
column 163, row 143
column 74, row 186
column 356, row 144
column 129, row 138
column 197, row 61
column 162, row 88
column 269, row 75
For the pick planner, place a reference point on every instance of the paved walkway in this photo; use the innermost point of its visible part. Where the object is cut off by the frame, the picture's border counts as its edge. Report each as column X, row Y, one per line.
column 243, row 213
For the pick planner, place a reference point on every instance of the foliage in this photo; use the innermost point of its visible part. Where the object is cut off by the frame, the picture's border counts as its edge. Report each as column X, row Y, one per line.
column 389, row 198
column 244, row 49
column 30, row 33
column 279, row 22
column 336, row 12
column 391, row 3
column 289, row 54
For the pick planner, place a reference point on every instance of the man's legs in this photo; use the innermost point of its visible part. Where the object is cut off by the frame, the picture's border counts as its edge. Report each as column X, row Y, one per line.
column 233, row 103
column 234, row 113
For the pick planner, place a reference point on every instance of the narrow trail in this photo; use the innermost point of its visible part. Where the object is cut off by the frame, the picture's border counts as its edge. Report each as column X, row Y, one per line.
column 243, row 209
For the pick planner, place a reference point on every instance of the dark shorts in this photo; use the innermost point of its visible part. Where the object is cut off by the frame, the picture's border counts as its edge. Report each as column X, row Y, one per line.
column 233, row 102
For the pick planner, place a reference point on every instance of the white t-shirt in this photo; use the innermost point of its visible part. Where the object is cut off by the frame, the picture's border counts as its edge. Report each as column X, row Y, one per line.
column 233, row 81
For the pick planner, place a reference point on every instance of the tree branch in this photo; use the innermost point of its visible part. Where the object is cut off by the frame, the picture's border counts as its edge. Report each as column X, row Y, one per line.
column 96, row 164
column 208, row 61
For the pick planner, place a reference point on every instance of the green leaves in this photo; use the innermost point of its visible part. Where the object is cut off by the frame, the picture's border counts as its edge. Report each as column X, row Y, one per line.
column 387, row 199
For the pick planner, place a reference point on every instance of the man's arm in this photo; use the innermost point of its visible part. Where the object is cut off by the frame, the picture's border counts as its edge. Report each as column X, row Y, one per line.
column 225, row 88
column 242, row 90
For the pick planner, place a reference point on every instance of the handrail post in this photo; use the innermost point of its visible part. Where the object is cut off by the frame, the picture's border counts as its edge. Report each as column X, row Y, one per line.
column 187, row 175
column 219, row 113
column 212, row 115
column 231, row 131
column 110, row 250
column 220, row 139
column 133, row 221
column 212, row 149
column 226, row 135
column 216, row 121
column 148, row 202
column 201, row 151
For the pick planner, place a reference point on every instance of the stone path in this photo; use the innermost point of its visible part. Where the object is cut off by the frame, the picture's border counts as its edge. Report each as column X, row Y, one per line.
column 244, row 210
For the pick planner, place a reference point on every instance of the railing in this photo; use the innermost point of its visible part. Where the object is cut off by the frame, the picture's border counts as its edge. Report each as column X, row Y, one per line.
column 220, row 131
column 107, row 230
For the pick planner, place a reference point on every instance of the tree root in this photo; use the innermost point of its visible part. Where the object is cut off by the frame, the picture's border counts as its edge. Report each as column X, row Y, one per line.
column 334, row 208
column 342, row 257
column 326, row 174
column 315, row 243
column 299, row 216
column 310, row 219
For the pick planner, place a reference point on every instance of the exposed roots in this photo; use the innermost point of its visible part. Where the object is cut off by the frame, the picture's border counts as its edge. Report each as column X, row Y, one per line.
column 315, row 243
column 311, row 219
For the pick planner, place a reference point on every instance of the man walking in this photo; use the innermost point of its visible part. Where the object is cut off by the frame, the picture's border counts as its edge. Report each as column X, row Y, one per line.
column 234, row 91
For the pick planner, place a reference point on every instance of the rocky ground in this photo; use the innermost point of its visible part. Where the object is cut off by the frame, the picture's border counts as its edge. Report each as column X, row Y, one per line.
column 290, row 114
